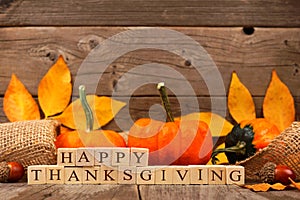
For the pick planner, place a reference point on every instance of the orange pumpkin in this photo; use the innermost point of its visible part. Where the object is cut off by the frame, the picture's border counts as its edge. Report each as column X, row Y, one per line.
column 179, row 142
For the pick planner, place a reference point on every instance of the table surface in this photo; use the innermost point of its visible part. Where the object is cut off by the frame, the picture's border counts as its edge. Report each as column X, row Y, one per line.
column 21, row 191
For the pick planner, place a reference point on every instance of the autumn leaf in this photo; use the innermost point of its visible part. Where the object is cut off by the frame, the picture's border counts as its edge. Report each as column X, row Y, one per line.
column 104, row 108
column 263, row 187
column 222, row 158
column 55, row 89
column 240, row 102
column 218, row 125
column 278, row 105
column 297, row 185
column 18, row 104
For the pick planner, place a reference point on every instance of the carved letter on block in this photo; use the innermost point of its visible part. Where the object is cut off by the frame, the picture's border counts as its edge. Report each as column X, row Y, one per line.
column 109, row 175
column 235, row 175
column 181, row 175
column 66, row 156
column 199, row 174
column 91, row 175
column 55, row 174
column 163, row 175
column 127, row 175
column 217, row 175
column 85, row 157
column 103, row 156
column 139, row 157
column 37, row 174
column 145, row 175
column 120, row 156
column 73, row 175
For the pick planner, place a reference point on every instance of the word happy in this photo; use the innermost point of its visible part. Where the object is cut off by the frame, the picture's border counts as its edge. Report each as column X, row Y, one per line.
column 126, row 166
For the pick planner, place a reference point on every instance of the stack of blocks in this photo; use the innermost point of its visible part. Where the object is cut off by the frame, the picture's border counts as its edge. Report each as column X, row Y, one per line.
column 126, row 166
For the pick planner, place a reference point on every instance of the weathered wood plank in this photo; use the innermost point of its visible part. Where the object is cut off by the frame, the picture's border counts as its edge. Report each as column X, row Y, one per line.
column 208, row 192
column 29, row 52
column 139, row 107
column 148, row 13
column 22, row 191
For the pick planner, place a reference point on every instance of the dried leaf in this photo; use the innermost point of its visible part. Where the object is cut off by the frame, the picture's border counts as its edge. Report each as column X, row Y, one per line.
column 240, row 102
column 55, row 89
column 263, row 187
column 297, row 185
column 222, row 158
column 18, row 103
column 278, row 106
column 218, row 125
column 104, row 108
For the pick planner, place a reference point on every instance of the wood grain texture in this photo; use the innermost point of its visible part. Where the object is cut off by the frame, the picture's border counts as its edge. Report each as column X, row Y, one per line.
column 150, row 13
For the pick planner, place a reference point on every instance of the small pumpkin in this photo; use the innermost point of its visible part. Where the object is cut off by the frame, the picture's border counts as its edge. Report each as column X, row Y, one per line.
column 89, row 137
column 246, row 138
column 177, row 142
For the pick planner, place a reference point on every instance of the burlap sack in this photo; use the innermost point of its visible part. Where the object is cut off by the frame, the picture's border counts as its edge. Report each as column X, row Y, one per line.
column 283, row 150
column 29, row 142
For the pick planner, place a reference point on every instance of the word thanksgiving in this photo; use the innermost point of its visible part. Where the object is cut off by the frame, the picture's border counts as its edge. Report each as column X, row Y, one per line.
column 116, row 165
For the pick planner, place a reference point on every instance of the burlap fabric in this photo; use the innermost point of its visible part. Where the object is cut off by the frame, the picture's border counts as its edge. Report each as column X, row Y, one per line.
column 283, row 150
column 29, row 142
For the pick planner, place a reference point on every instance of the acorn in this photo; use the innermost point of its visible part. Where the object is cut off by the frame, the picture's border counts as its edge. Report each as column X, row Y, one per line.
column 272, row 173
column 11, row 171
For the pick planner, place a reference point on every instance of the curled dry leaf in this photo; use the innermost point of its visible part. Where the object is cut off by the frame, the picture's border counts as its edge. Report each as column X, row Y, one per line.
column 240, row 102
column 18, row 103
column 263, row 187
column 297, row 185
column 104, row 108
column 278, row 106
column 54, row 91
column 218, row 126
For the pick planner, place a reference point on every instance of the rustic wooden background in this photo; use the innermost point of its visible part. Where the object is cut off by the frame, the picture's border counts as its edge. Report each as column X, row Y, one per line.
column 249, row 37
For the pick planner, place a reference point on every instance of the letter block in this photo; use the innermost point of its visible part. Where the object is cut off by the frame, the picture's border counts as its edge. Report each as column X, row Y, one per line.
column 235, row 175
column 91, row 175
column 109, row 175
column 36, row 174
column 181, row 175
column 199, row 174
column 127, row 175
column 163, row 175
column 55, row 174
column 120, row 156
column 145, row 175
column 73, row 175
column 217, row 175
column 103, row 156
column 139, row 157
column 85, row 157
column 66, row 156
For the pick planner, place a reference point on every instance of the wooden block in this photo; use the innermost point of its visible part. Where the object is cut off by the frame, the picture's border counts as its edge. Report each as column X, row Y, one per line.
column 66, row 156
column 217, row 175
column 139, row 157
column 36, row 174
column 73, row 175
column 181, row 174
column 199, row 174
column 235, row 175
column 120, row 156
column 127, row 175
column 103, row 156
column 55, row 174
column 163, row 175
column 145, row 175
column 91, row 175
column 109, row 175
column 85, row 157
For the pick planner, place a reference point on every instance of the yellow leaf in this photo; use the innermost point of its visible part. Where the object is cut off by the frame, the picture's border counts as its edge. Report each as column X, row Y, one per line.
column 221, row 156
column 240, row 102
column 297, row 185
column 104, row 108
column 18, row 103
column 278, row 106
column 55, row 89
column 263, row 187
column 218, row 125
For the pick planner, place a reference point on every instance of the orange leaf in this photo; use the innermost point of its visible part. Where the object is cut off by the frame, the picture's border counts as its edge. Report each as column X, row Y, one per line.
column 278, row 106
column 55, row 88
column 240, row 103
column 104, row 108
column 263, row 187
column 297, row 185
column 18, row 103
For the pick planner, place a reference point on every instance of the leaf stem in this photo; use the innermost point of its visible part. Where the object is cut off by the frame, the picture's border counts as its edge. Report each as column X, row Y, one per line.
column 87, row 109
column 240, row 148
column 165, row 101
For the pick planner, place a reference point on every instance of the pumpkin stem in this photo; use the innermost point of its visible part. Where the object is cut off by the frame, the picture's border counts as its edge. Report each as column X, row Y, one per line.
column 165, row 101
column 240, row 148
column 87, row 109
